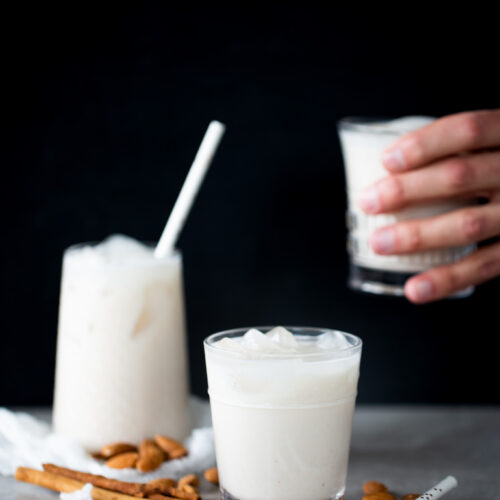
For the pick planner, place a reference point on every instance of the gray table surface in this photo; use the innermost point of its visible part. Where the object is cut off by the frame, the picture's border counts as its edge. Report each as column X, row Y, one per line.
column 407, row 448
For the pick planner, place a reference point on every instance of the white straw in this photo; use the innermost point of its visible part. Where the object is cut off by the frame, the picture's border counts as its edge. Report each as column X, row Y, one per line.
column 440, row 489
column 190, row 188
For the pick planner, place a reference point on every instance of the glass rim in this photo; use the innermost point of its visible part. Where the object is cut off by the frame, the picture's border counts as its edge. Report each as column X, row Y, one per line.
column 359, row 123
column 176, row 253
column 209, row 341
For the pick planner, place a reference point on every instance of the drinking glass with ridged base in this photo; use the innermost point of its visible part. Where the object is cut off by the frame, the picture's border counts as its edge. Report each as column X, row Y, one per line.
column 282, row 401
column 363, row 141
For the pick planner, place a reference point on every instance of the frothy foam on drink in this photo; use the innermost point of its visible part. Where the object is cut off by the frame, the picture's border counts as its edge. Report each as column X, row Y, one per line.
column 116, row 249
column 279, row 340
column 399, row 125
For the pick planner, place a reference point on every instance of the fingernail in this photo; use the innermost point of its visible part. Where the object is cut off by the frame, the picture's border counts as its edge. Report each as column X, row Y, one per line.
column 383, row 241
column 369, row 200
column 393, row 159
column 422, row 290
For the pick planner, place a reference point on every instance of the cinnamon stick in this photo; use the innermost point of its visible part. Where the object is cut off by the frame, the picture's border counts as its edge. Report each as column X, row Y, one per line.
column 133, row 489
column 159, row 496
column 158, row 486
column 56, row 482
column 101, row 494
column 48, row 480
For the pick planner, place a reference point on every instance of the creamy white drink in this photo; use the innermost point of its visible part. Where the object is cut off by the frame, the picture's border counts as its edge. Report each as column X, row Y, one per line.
column 362, row 143
column 121, row 370
column 282, row 404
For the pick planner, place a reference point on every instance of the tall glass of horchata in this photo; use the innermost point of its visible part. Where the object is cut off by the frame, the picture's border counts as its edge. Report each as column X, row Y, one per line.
column 121, row 372
column 282, row 402
column 362, row 141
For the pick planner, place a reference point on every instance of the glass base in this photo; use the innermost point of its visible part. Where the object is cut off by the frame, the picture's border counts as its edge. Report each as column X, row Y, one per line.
column 383, row 282
column 224, row 495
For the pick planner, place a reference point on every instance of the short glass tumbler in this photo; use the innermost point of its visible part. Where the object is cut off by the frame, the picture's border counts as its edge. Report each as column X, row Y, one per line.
column 282, row 422
column 362, row 141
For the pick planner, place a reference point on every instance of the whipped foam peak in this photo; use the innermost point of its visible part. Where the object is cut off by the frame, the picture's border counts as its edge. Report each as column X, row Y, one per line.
column 279, row 340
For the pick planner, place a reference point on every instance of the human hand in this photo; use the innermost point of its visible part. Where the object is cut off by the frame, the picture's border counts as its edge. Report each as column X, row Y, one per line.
column 454, row 157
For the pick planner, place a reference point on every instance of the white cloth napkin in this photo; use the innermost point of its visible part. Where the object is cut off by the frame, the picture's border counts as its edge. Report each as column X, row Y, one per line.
column 28, row 442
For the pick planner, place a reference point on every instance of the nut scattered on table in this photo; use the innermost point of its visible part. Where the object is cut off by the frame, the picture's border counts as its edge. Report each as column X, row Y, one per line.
column 150, row 456
column 112, row 449
column 172, row 448
column 189, row 483
column 374, row 490
column 371, row 487
column 212, row 475
column 147, row 457
column 383, row 495
column 123, row 460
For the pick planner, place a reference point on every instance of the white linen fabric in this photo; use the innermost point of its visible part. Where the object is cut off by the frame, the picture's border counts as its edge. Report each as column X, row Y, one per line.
column 28, row 442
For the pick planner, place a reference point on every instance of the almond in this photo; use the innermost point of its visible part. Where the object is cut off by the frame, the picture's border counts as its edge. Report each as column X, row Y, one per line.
column 177, row 453
column 123, row 460
column 185, row 495
column 112, row 449
column 172, row 448
column 166, row 443
column 188, row 488
column 189, row 483
column 161, row 485
column 411, row 496
column 371, row 487
column 150, row 456
column 380, row 496
column 191, row 479
column 212, row 475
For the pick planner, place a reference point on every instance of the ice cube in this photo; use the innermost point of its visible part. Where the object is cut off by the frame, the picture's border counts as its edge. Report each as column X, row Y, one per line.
column 255, row 340
column 331, row 341
column 283, row 338
column 230, row 344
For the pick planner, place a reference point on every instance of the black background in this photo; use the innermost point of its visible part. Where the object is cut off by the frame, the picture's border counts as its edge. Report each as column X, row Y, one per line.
column 103, row 112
